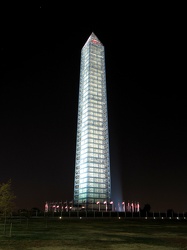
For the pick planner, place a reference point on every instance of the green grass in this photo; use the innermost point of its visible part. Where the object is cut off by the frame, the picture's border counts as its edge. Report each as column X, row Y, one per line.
column 93, row 233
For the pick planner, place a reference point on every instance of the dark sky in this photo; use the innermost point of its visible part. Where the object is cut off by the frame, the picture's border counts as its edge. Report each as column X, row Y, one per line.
column 147, row 107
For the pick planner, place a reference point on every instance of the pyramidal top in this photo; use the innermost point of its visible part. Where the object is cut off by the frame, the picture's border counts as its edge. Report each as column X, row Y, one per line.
column 93, row 39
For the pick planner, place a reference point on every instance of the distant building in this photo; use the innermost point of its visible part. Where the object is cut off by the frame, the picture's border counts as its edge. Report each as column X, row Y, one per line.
column 92, row 181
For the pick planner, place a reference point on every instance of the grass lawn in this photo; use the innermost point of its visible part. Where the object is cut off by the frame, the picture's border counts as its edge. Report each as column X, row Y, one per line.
column 93, row 233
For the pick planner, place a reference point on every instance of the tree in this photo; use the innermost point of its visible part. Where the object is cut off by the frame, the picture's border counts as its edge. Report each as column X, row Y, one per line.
column 170, row 212
column 147, row 208
column 7, row 198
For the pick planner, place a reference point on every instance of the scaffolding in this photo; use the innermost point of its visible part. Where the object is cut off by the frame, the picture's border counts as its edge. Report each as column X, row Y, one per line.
column 92, row 181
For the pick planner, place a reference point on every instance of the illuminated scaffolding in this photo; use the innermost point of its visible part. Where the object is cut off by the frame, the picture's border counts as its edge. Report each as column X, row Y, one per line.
column 92, row 183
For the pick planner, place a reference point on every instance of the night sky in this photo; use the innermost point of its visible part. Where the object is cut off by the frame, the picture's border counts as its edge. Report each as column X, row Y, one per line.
column 147, row 107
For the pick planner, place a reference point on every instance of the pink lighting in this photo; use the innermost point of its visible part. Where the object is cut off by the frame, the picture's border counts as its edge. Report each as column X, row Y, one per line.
column 105, row 202
column 98, row 205
column 112, row 203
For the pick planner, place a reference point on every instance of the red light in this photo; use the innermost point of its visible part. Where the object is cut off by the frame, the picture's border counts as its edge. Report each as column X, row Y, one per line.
column 95, row 41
